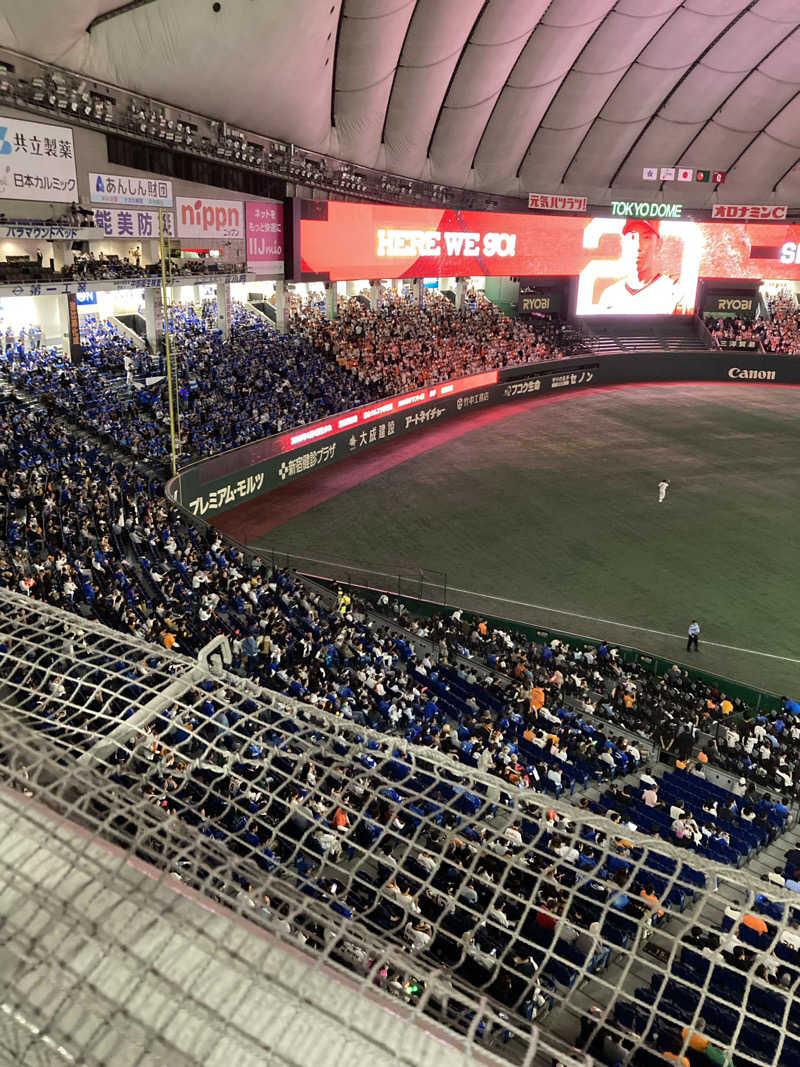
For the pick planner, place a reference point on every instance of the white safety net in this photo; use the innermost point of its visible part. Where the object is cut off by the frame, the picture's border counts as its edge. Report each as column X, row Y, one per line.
column 197, row 871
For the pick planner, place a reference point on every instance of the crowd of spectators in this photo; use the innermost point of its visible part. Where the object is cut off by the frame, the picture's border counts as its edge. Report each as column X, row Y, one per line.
column 95, row 536
column 688, row 717
column 108, row 546
column 779, row 332
column 256, row 384
column 736, row 332
column 401, row 346
column 22, row 340
column 102, row 267
column 108, row 267
column 260, row 382
column 92, row 535
column 97, row 391
column 504, row 906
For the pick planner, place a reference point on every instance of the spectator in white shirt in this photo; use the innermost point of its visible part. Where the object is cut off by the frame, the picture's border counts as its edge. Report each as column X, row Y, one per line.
column 513, row 835
column 418, row 935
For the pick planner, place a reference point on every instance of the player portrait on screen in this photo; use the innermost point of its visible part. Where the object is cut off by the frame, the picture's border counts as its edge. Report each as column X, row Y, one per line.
column 656, row 272
column 648, row 289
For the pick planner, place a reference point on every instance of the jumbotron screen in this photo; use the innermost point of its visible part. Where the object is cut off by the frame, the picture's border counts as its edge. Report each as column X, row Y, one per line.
column 624, row 266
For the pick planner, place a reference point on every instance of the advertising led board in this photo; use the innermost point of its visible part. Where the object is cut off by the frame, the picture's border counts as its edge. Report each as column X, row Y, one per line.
column 625, row 265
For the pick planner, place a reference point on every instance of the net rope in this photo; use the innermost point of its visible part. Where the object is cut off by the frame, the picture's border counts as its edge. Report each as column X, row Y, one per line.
column 195, row 870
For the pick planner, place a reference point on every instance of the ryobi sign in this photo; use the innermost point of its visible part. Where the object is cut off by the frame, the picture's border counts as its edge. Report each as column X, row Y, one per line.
column 721, row 303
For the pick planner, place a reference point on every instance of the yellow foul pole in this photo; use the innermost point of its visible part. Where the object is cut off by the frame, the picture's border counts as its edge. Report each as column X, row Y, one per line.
column 172, row 378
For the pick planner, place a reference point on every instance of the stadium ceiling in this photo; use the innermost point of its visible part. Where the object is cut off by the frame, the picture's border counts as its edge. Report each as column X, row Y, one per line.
column 506, row 96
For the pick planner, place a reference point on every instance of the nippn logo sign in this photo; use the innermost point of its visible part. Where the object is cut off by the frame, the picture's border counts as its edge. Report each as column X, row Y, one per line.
column 209, row 218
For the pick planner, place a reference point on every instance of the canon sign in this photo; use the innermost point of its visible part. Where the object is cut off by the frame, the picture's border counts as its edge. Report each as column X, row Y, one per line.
column 750, row 375
column 209, row 218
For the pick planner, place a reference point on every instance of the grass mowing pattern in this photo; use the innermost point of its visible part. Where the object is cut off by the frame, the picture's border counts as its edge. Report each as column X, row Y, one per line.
column 557, row 506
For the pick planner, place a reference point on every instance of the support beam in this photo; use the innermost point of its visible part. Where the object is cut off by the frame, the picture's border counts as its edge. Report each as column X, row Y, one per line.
column 461, row 288
column 153, row 319
column 330, row 300
column 281, row 307
column 224, row 309
column 63, row 255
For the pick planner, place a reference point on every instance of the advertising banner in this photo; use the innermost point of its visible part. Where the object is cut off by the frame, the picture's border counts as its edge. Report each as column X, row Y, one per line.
column 287, row 454
column 38, row 162
column 33, row 231
column 749, row 344
column 264, row 234
column 207, row 488
column 555, row 202
column 537, row 299
column 75, row 347
column 736, row 302
column 205, row 218
column 141, row 222
column 150, row 281
column 130, row 222
column 137, row 192
column 626, row 265
column 749, row 211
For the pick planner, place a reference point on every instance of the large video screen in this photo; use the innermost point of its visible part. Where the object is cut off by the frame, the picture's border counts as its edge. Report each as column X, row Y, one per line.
column 654, row 272
column 624, row 266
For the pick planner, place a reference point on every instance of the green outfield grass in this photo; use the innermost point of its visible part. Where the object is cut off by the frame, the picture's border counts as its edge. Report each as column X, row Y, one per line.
column 554, row 513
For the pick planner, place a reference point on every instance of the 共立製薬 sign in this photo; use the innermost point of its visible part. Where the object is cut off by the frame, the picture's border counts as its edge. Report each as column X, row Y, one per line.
column 37, row 162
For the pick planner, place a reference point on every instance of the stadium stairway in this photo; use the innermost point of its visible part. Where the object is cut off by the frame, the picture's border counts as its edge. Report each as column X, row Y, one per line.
column 634, row 334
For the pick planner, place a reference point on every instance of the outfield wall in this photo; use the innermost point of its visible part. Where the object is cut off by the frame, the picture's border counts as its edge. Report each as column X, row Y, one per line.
column 213, row 485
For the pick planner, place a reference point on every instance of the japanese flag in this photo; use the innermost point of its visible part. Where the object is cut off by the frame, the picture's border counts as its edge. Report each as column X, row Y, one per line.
column 650, row 174
column 685, row 174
